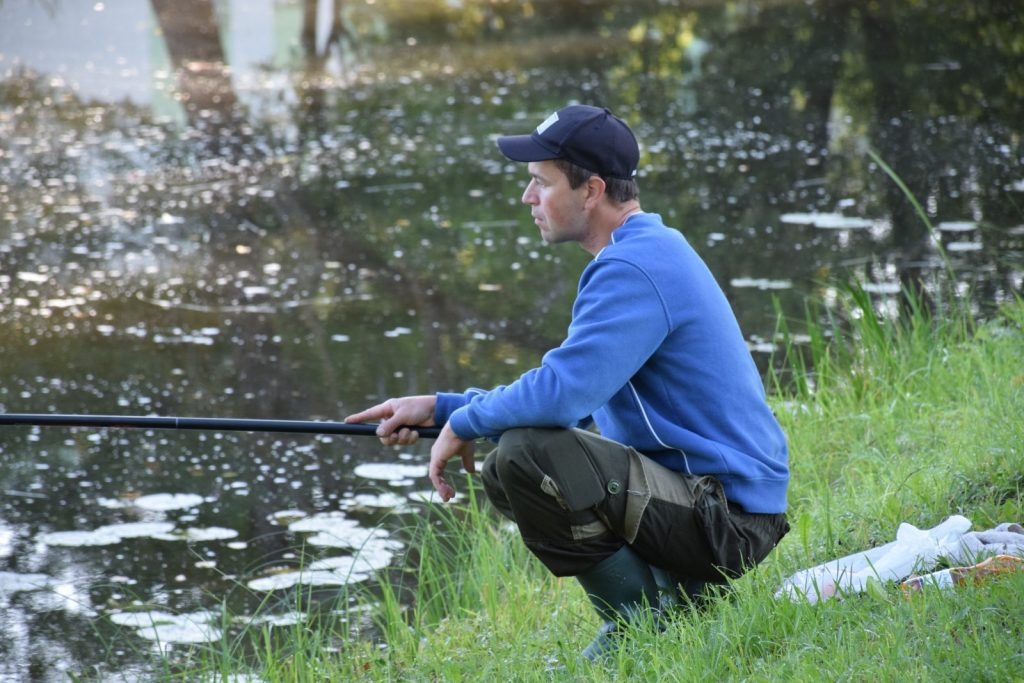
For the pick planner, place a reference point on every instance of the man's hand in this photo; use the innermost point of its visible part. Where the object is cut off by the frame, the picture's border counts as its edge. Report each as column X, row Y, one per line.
column 399, row 414
column 447, row 446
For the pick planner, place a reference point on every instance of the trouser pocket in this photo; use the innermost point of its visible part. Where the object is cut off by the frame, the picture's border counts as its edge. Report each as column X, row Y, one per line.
column 738, row 540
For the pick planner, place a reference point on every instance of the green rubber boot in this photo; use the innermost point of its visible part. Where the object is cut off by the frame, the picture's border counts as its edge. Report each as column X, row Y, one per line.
column 678, row 591
column 670, row 588
column 621, row 588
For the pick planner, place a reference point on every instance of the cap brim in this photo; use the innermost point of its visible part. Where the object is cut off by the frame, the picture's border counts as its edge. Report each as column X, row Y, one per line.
column 525, row 148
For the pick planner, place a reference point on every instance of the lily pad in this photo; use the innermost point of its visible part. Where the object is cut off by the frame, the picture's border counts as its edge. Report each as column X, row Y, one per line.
column 390, row 471
column 199, row 535
column 827, row 221
column 14, row 582
column 80, row 538
column 165, row 502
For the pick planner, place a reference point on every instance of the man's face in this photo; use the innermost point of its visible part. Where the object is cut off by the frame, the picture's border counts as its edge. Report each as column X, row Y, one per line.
column 557, row 209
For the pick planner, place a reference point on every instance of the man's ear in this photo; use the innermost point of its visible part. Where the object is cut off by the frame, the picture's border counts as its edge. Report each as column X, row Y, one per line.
column 595, row 190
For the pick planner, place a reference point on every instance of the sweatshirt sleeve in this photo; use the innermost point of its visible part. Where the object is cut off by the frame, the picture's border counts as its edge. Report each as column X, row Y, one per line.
column 447, row 403
column 619, row 320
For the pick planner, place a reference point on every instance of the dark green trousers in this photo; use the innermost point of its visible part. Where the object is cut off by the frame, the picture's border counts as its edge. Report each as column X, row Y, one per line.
column 578, row 497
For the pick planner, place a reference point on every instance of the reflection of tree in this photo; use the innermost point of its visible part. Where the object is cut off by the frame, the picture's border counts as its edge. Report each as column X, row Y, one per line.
column 335, row 34
column 308, row 219
column 893, row 135
column 935, row 73
column 935, row 88
column 191, row 32
column 312, row 84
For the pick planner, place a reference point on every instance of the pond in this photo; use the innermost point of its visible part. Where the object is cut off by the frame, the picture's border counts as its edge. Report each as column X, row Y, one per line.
column 290, row 209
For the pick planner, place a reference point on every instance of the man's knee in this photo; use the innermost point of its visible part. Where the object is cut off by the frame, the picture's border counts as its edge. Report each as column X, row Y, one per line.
column 514, row 446
column 499, row 470
column 557, row 463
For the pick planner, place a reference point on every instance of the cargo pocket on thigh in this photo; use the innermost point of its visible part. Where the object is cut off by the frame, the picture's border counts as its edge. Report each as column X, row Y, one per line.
column 671, row 534
column 575, row 482
column 712, row 512
column 738, row 541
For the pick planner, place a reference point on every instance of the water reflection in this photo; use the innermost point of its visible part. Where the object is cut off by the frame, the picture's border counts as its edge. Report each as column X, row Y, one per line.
column 287, row 210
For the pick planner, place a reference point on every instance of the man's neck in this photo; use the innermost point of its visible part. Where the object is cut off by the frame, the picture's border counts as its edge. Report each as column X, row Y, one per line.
column 608, row 220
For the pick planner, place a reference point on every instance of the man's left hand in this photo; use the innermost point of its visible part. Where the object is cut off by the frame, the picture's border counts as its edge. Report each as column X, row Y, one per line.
column 447, row 446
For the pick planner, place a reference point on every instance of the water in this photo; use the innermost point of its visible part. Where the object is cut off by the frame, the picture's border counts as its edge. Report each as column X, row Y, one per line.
column 222, row 219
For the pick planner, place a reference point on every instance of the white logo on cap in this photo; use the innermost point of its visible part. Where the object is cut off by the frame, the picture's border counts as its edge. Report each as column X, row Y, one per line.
column 548, row 122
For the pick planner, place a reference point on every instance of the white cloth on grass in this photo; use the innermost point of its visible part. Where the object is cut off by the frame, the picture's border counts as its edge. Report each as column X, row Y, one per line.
column 914, row 550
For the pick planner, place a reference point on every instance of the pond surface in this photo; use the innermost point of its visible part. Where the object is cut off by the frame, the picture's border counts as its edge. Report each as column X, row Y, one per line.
column 277, row 210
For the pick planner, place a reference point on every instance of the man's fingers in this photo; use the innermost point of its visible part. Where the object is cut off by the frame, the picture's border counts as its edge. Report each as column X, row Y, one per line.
column 390, row 424
column 443, row 488
column 407, row 436
column 446, row 447
column 468, row 461
column 373, row 413
column 396, row 413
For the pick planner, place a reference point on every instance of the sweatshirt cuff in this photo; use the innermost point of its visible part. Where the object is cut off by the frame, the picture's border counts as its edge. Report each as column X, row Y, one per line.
column 450, row 409
column 445, row 405
column 460, row 424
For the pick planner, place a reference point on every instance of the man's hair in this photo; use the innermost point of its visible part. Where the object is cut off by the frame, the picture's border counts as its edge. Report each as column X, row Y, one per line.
column 617, row 189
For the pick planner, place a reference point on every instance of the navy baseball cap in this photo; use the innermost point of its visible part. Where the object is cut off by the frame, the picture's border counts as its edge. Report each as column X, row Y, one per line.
column 590, row 137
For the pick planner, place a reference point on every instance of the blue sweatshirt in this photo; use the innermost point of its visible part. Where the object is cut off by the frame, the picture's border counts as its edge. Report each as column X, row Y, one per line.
column 654, row 356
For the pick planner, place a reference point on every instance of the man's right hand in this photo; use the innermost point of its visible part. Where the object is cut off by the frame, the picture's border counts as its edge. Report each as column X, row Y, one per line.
column 396, row 416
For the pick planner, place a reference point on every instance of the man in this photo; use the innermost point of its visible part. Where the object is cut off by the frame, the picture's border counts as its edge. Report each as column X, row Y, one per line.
column 686, row 483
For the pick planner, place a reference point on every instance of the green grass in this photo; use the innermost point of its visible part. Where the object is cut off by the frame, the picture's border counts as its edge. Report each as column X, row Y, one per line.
column 889, row 421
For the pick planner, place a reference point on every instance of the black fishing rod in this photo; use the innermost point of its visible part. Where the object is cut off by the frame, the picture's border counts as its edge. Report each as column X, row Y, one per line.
column 218, row 424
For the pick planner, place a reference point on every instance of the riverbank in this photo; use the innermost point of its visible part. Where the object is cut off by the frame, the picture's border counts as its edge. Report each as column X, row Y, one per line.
column 897, row 423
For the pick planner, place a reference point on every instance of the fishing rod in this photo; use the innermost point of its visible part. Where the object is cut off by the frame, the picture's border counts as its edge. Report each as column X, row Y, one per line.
column 200, row 423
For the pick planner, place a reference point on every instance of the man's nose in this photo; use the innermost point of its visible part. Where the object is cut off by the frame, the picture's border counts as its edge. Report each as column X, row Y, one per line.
column 529, row 196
